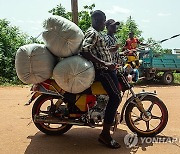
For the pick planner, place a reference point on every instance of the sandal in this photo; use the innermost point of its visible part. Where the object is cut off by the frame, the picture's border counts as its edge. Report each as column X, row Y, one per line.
column 108, row 141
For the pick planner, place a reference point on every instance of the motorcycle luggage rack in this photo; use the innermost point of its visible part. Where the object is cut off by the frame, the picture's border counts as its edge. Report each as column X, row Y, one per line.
column 41, row 87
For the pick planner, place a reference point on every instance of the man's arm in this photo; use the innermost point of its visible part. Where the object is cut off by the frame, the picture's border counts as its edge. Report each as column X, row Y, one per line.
column 89, row 56
column 88, row 43
column 125, row 46
column 94, row 59
column 111, row 48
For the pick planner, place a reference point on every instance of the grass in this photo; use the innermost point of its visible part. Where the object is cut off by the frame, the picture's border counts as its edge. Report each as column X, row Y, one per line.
column 158, row 80
column 177, row 78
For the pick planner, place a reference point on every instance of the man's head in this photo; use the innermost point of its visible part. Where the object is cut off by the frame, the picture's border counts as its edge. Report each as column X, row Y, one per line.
column 111, row 26
column 131, row 35
column 98, row 20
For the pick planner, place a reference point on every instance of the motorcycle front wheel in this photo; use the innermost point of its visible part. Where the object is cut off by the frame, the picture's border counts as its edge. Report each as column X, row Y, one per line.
column 42, row 107
column 149, row 126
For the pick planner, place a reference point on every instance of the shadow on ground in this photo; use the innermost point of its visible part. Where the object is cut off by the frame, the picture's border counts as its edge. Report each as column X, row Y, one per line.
column 76, row 141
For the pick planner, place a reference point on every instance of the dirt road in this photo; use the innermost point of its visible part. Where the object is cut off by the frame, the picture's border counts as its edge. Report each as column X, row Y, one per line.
column 17, row 137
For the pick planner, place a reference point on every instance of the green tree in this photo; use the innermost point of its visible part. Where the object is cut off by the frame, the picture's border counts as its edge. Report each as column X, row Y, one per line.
column 126, row 27
column 130, row 25
column 61, row 11
column 10, row 40
column 155, row 46
column 84, row 16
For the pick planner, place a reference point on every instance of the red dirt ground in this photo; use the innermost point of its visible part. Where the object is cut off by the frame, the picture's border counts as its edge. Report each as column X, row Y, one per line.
column 18, row 137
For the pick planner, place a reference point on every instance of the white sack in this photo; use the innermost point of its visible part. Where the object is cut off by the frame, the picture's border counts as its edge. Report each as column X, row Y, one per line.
column 63, row 37
column 74, row 74
column 34, row 63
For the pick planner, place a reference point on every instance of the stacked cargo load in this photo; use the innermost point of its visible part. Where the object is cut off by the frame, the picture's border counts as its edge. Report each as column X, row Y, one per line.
column 74, row 74
column 62, row 37
column 36, row 63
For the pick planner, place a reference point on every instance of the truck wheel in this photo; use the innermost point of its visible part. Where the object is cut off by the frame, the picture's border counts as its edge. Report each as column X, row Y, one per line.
column 167, row 78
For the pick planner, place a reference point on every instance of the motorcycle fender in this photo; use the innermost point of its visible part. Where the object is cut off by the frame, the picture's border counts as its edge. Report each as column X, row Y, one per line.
column 140, row 95
column 34, row 96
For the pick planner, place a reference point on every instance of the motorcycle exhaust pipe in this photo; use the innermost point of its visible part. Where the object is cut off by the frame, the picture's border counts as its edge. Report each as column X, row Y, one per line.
column 42, row 119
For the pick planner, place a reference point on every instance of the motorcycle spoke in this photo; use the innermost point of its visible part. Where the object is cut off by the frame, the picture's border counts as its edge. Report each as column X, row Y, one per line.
column 138, row 119
column 147, row 125
column 150, row 107
column 156, row 117
column 52, row 102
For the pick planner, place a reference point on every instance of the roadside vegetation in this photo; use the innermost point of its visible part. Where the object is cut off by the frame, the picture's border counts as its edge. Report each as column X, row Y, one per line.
column 177, row 78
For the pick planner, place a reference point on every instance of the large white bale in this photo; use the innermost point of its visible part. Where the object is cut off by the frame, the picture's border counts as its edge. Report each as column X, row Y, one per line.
column 34, row 63
column 62, row 36
column 74, row 74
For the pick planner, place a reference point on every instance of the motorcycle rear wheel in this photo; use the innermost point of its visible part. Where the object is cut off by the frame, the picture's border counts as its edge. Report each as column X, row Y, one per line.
column 147, row 127
column 43, row 102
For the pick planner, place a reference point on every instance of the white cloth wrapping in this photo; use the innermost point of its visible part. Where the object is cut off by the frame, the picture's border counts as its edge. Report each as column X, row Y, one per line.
column 34, row 63
column 74, row 74
column 62, row 37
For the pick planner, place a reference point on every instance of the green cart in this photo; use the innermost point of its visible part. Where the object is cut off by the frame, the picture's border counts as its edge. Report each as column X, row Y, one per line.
column 152, row 65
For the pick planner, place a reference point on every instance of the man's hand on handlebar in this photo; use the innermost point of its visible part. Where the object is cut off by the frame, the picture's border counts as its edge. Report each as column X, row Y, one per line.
column 111, row 66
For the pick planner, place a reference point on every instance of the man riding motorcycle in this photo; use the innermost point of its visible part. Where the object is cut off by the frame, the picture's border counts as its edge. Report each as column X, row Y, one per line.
column 95, row 50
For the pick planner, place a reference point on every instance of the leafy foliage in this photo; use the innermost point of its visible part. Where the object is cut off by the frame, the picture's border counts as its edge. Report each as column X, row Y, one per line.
column 126, row 27
column 157, row 49
column 84, row 16
column 61, row 11
column 10, row 40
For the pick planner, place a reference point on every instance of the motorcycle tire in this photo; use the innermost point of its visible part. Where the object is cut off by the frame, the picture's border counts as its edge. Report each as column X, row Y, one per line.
column 141, row 117
column 44, row 127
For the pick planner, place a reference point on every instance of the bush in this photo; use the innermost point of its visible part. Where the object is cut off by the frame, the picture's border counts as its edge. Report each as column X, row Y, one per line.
column 11, row 38
column 177, row 78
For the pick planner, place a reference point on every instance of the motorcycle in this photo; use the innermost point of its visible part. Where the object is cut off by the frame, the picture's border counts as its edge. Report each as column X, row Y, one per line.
column 55, row 111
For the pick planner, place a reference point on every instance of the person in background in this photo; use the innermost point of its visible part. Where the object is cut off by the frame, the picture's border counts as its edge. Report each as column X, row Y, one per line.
column 94, row 49
column 130, row 49
column 111, row 40
column 132, row 42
